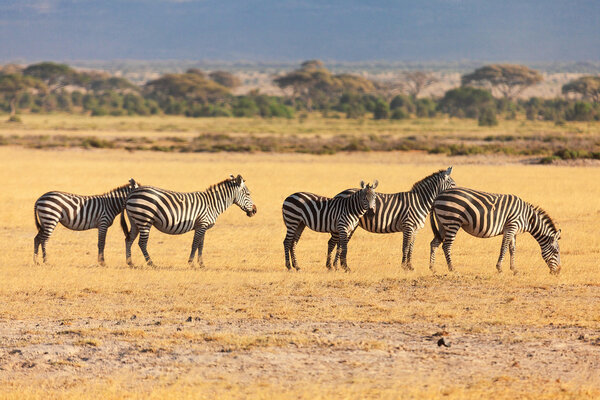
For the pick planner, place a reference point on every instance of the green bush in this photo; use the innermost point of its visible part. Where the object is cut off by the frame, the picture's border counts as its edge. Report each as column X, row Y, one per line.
column 487, row 117
column 382, row 110
column 466, row 102
column 400, row 113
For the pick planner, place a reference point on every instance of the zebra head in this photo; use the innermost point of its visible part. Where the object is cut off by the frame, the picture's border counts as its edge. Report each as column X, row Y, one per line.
column 242, row 196
column 551, row 251
column 368, row 197
column 447, row 181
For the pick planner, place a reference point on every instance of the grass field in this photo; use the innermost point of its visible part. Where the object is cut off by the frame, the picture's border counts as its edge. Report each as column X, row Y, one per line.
column 245, row 327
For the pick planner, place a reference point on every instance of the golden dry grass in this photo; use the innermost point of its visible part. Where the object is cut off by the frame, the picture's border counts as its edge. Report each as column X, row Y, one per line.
column 258, row 331
column 311, row 124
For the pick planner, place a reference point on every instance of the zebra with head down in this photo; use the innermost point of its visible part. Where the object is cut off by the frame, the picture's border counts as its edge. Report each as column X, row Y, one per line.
column 486, row 215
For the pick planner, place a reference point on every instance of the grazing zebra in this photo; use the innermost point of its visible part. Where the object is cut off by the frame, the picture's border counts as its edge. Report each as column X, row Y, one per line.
column 78, row 213
column 404, row 212
column 338, row 216
column 176, row 213
column 486, row 215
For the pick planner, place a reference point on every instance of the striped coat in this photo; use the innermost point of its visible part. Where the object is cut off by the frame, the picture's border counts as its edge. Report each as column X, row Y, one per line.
column 175, row 213
column 486, row 215
column 404, row 212
column 338, row 216
column 78, row 212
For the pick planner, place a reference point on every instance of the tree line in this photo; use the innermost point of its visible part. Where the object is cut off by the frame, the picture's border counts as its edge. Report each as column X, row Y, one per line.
column 484, row 94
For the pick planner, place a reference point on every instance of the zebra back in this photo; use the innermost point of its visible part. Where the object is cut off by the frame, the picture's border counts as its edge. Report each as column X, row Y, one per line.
column 80, row 212
column 394, row 210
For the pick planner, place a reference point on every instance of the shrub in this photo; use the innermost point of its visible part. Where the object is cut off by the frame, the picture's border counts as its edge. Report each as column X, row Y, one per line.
column 382, row 110
column 400, row 113
column 487, row 117
column 466, row 101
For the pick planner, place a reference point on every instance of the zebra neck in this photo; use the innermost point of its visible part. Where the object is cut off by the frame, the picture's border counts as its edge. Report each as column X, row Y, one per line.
column 536, row 227
column 116, row 198
column 220, row 200
column 426, row 195
column 356, row 205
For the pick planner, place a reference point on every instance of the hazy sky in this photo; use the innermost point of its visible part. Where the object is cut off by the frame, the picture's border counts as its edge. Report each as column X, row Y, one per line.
column 281, row 30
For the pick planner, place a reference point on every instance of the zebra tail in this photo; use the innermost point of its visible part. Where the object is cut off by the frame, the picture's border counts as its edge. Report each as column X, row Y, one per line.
column 434, row 228
column 124, row 225
column 35, row 217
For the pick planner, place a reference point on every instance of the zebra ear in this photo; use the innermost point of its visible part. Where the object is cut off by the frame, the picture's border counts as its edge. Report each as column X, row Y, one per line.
column 239, row 180
column 375, row 183
column 362, row 184
column 449, row 171
column 133, row 183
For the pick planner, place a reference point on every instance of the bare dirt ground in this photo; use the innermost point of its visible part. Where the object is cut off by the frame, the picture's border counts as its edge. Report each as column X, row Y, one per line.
column 292, row 352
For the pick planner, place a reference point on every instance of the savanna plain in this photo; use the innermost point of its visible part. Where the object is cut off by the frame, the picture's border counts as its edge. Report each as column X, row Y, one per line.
column 245, row 327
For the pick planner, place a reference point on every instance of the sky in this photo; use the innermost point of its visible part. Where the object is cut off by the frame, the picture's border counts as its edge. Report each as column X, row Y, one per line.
column 282, row 30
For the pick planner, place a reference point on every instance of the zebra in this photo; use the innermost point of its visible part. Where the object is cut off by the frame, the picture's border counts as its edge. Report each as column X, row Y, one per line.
column 486, row 215
column 175, row 213
column 78, row 212
column 404, row 212
column 338, row 216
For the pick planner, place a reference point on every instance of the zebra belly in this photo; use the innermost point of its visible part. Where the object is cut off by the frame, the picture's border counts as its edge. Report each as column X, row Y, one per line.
column 175, row 229
column 487, row 233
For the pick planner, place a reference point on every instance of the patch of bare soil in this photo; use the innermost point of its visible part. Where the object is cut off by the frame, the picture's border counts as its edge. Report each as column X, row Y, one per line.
column 285, row 352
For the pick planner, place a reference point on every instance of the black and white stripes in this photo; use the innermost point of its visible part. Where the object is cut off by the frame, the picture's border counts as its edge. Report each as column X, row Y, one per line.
column 175, row 213
column 78, row 213
column 404, row 212
column 485, row 215
column 339, row 216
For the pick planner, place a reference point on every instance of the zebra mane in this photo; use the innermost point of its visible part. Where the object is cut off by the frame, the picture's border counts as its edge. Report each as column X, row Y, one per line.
column 543, row 216
column 217, row 186
column 418, row 184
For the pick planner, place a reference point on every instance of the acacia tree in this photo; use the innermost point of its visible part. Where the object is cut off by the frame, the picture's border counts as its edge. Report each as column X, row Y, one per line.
column 416, row 81
column 586, row 86
column 55, row 76
column 12, row 86
column 188, row 86
column 510, row 80
column 313, row 82
column 225, row 78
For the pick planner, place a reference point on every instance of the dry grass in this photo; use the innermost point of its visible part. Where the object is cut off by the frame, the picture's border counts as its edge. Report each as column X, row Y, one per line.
column 258, row 331
column 305, row 124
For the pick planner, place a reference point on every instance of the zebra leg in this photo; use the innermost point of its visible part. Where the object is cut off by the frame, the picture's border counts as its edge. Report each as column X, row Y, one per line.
column 337, row 253
column 287, row 243
column 143, row 243
column 435, row 243
column 343, row 245
column 129, row 241
column 410, row 250
column 37, row 241
column 102, row 228
column 43, row 237
column 407, row 242
column 447, row 246
column 198, row 244
column 331, row 245
column 297, row 235
column 506, row 240
column 511, row 247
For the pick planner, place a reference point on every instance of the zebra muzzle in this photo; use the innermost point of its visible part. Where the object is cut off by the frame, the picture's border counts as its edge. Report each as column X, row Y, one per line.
column 251, row 213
